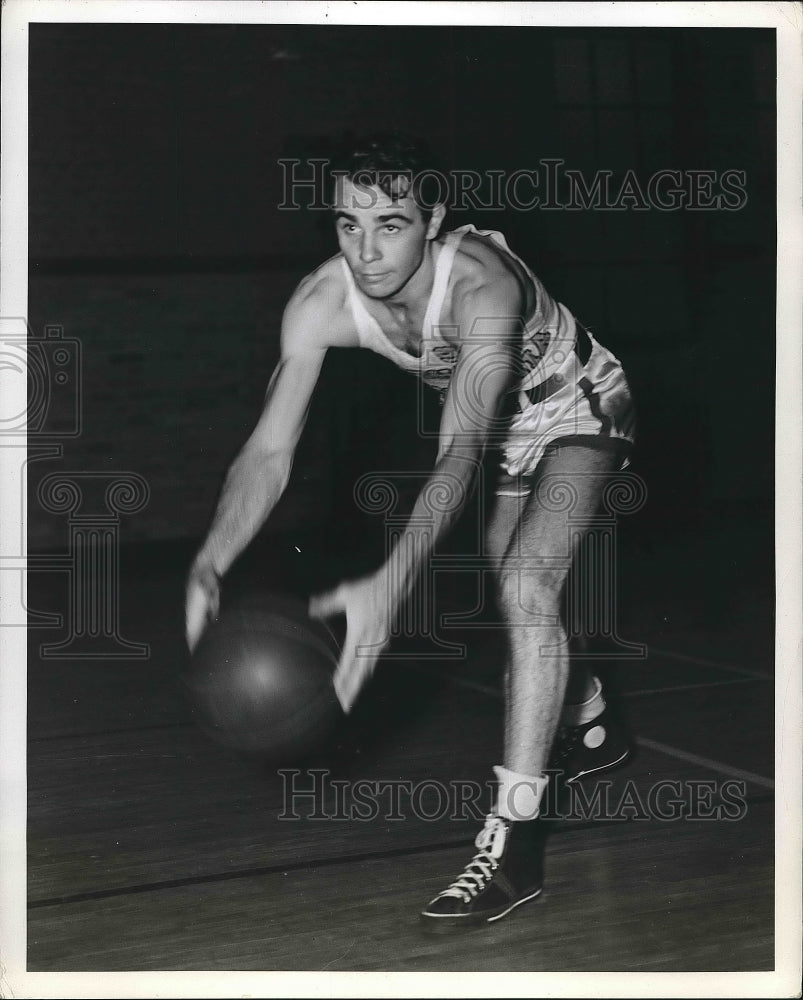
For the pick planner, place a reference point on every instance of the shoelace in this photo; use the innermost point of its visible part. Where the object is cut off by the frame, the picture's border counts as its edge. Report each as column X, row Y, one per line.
column 482, row 866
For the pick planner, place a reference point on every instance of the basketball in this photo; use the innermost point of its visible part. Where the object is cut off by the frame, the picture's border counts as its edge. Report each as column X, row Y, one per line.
column 260, row 678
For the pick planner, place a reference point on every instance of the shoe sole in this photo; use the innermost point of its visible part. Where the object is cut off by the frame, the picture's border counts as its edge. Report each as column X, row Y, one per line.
column 449, row 923
column 603, row 767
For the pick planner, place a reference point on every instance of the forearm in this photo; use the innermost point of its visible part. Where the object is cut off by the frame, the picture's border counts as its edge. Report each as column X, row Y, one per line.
column 251, row 490
column 438, row 506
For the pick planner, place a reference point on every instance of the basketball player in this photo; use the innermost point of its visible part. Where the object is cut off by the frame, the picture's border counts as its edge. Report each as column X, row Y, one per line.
column 464, row 313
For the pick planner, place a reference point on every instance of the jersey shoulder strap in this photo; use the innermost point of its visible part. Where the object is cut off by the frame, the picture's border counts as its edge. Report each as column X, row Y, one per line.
column 443, row 271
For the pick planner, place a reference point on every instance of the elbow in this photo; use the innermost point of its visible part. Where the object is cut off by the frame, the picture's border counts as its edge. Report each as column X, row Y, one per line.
column 277, row 468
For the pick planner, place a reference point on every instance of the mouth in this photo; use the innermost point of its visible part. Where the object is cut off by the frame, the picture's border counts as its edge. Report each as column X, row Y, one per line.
column 372, row 279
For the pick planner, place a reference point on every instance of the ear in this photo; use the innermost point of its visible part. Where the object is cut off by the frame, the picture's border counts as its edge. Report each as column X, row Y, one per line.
column 436, row 221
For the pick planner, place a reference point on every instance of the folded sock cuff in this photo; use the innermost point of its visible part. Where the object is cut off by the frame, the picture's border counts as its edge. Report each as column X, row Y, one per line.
column 584, row 711
column 519, row 795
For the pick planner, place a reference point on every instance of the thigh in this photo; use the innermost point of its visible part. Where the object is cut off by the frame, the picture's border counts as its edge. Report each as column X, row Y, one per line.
column 564, row 495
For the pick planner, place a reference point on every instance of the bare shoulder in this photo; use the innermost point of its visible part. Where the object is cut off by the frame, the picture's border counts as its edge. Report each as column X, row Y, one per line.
column 316, row 315
column 484, row 275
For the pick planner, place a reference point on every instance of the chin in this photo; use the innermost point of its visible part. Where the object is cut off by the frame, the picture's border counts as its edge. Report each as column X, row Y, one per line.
column 380, row 290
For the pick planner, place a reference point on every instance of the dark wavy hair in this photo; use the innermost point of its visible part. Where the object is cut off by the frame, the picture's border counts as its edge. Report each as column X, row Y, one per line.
column 396, row 163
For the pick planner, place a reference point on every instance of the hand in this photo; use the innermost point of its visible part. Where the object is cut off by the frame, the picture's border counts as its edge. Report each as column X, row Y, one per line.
column 202, row 601
column 364, row 603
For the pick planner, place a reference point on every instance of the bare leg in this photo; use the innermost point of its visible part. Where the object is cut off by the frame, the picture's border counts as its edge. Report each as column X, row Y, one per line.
column 504, row 522
column 532, row 573
column 532, row 544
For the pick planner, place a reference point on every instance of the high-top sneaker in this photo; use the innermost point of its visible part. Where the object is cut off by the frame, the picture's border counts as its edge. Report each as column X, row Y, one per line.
column 507, row 871
column 580, row 751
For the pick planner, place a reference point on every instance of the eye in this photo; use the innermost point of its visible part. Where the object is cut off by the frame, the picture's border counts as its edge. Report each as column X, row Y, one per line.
column 391, row 228
column 348, row 227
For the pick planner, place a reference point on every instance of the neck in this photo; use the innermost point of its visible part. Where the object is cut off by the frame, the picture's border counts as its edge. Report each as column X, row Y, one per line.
column 418, row 286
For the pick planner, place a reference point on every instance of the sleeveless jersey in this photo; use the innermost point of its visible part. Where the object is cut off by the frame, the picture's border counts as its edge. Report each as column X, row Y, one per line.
column 567, row 383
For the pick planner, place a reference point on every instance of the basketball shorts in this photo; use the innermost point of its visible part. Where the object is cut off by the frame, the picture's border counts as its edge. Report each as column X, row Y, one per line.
column 587, row 400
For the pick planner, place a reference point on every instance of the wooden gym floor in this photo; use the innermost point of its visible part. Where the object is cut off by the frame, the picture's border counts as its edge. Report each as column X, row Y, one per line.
column 152, row 848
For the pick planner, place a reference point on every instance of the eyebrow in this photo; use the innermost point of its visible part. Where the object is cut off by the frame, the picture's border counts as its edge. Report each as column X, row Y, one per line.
column 386, row 217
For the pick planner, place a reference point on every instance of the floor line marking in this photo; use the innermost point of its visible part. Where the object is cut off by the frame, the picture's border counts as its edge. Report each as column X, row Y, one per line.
column 476, row 686
column 665, row 748
column 700, row 661
column 641, row 692
column 688, row 687
column 700, row 761
column 304, row 865
column 258, row 871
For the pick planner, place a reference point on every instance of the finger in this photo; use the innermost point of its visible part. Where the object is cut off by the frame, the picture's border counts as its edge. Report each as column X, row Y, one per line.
column 341, row 680
column 348, row 687
column 346, row 691
column 192, row 635
column 350, row 677
column 200, row 610
column 194, row 631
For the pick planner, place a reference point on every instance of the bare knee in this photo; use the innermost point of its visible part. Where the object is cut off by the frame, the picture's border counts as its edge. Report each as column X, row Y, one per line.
column 527, row 593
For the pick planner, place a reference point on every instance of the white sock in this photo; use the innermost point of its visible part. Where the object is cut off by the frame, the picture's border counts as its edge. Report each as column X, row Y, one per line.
column 519, row 795
column 584, row 711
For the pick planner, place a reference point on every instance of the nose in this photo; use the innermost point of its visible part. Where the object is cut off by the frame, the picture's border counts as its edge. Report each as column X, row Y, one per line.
column 368, row 250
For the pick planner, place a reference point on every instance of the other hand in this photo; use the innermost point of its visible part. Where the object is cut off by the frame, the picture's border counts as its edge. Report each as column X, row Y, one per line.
column 202, row 601
column 364, row 603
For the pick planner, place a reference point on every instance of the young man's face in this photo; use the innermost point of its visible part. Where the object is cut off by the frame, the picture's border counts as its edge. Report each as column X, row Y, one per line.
column 383, row 239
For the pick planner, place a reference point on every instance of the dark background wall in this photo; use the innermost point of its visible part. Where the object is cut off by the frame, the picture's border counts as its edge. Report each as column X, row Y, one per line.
column 156, row 241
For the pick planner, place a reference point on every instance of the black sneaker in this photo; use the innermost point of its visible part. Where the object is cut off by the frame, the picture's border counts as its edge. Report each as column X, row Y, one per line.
column 507, row 871
column 580, row 751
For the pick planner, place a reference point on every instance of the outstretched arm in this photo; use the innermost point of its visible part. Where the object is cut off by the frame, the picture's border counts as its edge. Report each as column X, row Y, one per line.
column 484, row 372
column 259, row 474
